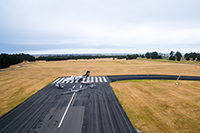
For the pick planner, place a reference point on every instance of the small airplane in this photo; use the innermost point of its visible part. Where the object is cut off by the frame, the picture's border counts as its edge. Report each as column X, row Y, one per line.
column 83, row 79
column 80, row 78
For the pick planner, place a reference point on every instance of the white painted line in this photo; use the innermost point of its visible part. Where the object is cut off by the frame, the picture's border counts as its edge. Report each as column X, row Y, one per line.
column 67, row 81
column 56, row 80
column 76, row 81
column 60, row 80
column 92, row 79
column 96, row 80
column 100, row 80
column 66, row 110
column 105, row 79
column 81, row 86
column 63, row 80
column 72, row 81
column 73, row 87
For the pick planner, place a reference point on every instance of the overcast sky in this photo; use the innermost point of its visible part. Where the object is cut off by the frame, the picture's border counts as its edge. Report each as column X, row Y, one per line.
column 99, row 26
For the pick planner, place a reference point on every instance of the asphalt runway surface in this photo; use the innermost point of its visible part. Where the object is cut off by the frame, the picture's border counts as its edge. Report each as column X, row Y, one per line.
column 89, row 110
column 158, row 77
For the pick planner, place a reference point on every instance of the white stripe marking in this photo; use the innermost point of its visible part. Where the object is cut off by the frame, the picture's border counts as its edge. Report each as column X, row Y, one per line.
column 56, row 80
column 72, row 81
column 96, row 80
column 104, row 79
column 66, row 110
column 92, row 79
column 73, row 87
column 60, row 80
column 63, row 80
column 100, row 79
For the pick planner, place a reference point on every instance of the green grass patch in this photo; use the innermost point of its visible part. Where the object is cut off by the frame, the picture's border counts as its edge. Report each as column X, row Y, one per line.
column 119, row 62
column 137, row 63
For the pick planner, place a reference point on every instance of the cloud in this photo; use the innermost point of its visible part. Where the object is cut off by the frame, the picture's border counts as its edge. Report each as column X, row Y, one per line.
column 101, row 25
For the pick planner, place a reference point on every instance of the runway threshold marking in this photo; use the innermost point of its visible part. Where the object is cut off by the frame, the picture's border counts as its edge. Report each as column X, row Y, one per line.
column 100, row 80
column 96, row 80
column 104, row 79
column 92, row 79
column 56, row 80
column 63, row 81
column 66, row 111
column 60, row 80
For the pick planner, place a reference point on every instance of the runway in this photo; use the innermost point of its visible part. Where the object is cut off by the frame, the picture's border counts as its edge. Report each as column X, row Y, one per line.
column 94, row 110
column 89, row 110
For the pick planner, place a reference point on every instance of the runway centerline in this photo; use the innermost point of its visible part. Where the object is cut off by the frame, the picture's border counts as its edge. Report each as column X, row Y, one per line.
column 66, row 110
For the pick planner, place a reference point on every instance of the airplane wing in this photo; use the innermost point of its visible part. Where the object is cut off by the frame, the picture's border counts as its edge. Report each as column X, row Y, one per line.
column 71, row 91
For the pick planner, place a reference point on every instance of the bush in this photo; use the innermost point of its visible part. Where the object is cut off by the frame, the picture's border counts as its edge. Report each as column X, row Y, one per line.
column 198, row 58
column 179, row 58
column 187, row 58
column 172, row 58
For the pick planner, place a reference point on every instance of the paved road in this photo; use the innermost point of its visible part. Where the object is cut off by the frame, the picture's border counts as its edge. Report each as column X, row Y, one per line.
column 160, row 77
column 94, row 110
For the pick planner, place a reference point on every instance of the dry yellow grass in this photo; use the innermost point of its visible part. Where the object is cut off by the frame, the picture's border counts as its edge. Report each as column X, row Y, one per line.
column 161, row 106
column 17, row 85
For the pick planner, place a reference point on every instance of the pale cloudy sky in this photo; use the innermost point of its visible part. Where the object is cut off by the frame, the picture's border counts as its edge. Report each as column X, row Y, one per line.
column 99, row 26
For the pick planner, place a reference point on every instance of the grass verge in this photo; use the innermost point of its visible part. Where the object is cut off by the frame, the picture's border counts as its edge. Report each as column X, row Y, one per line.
column 161, row 106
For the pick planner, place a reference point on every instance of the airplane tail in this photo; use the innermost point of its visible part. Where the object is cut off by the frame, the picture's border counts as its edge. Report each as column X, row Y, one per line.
column 84, row 77
column 87, row 73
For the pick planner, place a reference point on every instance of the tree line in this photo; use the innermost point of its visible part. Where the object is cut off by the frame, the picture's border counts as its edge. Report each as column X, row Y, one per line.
column 69, row 57
column 192, row 56
column 6, row 60
column 76, row 57
column 153, row 55
column 188, row 56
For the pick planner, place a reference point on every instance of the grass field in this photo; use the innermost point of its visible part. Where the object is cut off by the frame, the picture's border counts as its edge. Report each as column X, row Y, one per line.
column 16, row 85
column 161, row 106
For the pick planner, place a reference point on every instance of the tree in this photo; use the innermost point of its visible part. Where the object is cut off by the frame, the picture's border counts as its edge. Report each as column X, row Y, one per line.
column 198, row 58
column 171, row 53
column 142, row 56
column 129, row 57
column 172, row 58
column 178, row 58
column 154, row 55
column 178, row 54
column 187, row 58
column 147, row 55
column 192, row 55
column 159, row 57
column 7, row 60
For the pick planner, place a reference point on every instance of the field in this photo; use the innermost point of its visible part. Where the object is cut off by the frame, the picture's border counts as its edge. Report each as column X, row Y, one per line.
column 161, row 106
column 17, row 84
